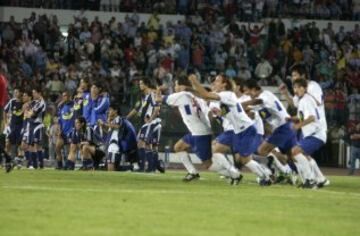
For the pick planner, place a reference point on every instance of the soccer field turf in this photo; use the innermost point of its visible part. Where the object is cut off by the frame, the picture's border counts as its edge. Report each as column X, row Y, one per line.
column 49, row 202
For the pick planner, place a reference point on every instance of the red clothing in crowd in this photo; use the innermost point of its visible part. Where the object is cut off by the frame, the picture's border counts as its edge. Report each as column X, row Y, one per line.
column 3, row 91
column 340, row 100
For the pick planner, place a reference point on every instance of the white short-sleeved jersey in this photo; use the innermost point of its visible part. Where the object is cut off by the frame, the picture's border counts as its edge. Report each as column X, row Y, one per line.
column 259, row 125
column 227, row 126
column 233, row 111
column 194, row 111
column 272, row 110
column 316, row 92
column 308, row 107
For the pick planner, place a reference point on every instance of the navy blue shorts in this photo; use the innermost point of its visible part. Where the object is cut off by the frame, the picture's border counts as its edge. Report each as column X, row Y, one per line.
column 153, row 134
column 225, row 138
column 14, row 134
column 246, row 142
column 283, row 137
column 310, row 144
column 35, row 135
column 142, row 132
column 200, row 145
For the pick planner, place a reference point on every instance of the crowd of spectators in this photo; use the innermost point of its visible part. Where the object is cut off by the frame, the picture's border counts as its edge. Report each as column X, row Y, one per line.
column 118, row 53
column 244, row 10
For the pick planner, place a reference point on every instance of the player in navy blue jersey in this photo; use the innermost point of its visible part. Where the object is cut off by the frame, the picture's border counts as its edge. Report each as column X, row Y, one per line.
column 86, row 99
column 14, row 122
column 36, row 128
column 99, row 100
column 66, row 123
column 78, row 101
column 149, row 134
column 27, row 99
column 122, row 141
column 83, row 138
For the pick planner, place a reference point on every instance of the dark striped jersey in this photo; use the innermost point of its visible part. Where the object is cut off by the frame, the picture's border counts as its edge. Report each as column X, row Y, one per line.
column 38, row 107
column 14, row 109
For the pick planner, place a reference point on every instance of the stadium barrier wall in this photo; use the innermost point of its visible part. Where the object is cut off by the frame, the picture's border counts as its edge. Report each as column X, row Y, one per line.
column 65, row 17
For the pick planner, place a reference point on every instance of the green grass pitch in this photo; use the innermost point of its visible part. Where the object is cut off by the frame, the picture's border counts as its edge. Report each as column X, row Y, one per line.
column 49, row 202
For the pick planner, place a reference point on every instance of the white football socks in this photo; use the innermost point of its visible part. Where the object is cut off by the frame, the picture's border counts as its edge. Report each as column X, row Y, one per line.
column 185, row 159
column 257, row 169
column 319, row 177
column 303, row 166
column 282, row 168
column 224, row 164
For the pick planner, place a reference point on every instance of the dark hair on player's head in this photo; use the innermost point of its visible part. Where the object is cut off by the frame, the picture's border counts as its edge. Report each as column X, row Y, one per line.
column 301, row 83
column 85, row 79
column 147, row 81
column 301, row 69
column 115, row 107
column 240, row 82
column 183, row 80
column 99, row 85
column 28, row 92
column 21, row 90
column 229, row 85
column 252, row 84
column 81, row 119
column 37, row 89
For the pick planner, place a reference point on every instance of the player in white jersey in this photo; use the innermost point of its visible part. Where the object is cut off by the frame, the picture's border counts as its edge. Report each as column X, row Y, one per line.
column 194, row 112
column 274, row 113
column 149, row 134
column 245, row 139
column 315, row 91
column 313, row 134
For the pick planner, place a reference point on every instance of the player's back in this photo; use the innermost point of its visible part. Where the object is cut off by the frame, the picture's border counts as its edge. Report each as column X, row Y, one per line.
column 194, row 112
column 234, row 112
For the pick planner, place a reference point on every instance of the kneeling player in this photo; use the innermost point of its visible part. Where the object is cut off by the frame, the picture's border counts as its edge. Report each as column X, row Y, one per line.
column 83, row 138
column 122, row 141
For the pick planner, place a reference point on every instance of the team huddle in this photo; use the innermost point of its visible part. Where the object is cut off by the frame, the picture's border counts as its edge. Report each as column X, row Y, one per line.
column 255, row 125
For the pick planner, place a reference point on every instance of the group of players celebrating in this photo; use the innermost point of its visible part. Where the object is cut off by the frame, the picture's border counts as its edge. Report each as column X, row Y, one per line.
column 92, row 128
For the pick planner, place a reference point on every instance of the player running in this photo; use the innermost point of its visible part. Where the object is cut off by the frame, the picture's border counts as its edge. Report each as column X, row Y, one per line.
column 315, row 91
column 274, row 113
column 194, row 112
column 245, row 139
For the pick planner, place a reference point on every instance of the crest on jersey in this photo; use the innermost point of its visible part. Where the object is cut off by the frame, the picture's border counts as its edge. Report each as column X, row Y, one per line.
column 264, row 114
column 224, row 109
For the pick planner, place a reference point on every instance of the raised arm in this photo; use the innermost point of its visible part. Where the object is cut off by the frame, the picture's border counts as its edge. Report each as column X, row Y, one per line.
column 284, row 91
column 201, row 91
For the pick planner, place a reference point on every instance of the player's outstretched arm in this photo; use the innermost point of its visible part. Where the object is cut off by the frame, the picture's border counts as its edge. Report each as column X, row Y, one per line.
column 289, row 99
column 200, row 90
